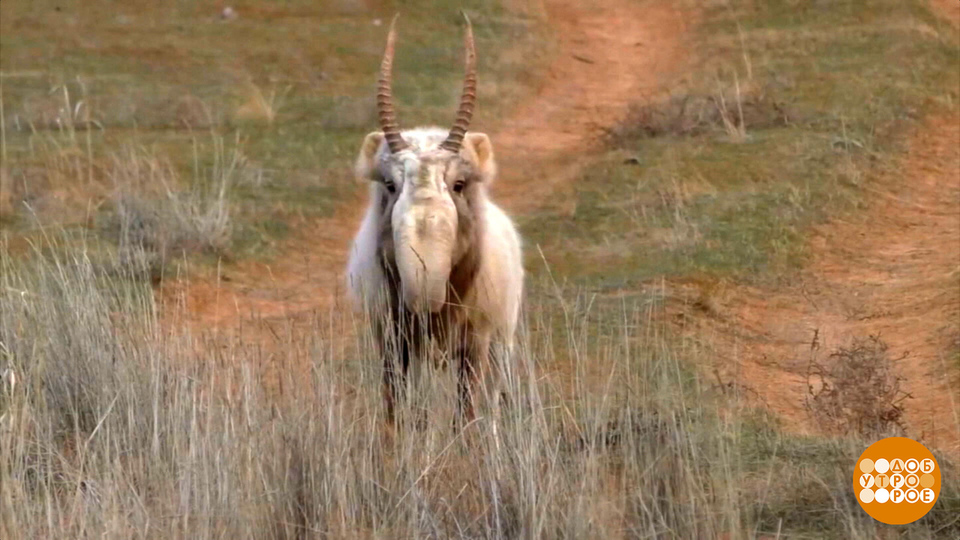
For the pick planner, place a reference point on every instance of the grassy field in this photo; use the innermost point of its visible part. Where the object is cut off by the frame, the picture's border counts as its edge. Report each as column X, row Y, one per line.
column 118, row 428
column 133, row 138
column 97, row 98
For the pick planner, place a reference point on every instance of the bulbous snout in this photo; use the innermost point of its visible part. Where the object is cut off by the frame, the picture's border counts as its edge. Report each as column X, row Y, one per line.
column 424, row 244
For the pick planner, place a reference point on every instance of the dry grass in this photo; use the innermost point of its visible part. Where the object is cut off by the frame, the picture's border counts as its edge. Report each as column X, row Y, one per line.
column 155, row 215
column 731, row 108
column 121, row 428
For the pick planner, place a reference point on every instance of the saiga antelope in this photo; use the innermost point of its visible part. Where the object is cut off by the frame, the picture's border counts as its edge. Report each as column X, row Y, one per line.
column 435, row 259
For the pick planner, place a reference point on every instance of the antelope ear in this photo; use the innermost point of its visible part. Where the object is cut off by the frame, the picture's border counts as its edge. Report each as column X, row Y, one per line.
column 483, row 148
column 367, row 160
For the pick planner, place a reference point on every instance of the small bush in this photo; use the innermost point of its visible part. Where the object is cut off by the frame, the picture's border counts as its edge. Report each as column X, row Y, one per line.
column 856, row 391
column 158, row 218
column 733, row 109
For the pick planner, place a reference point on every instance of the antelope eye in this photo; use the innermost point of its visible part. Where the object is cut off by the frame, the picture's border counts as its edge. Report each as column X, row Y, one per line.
column 458, row 186
column 391, row 187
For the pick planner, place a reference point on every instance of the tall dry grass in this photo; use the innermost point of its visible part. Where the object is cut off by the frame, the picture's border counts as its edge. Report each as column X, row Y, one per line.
column 121, row 426
column 164, row 216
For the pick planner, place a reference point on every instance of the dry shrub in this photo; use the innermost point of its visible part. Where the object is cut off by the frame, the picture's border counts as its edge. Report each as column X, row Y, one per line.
column 732, row 110
column 122, row 428
column 160, row 216
column 856, row 390
column 256, row 107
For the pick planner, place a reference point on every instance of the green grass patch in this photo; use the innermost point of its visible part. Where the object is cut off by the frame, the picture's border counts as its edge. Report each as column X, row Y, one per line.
column 293, row 82
column 781, row 126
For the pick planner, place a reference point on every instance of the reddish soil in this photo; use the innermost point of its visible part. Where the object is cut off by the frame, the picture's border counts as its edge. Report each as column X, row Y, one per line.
column 894, row 272
column 950, row 9
column 611, row 55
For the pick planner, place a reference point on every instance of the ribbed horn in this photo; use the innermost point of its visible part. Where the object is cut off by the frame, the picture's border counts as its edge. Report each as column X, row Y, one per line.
column 388, row 117
column 469, row 96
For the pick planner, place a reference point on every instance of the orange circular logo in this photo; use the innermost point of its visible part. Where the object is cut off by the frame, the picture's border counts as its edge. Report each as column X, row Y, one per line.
column 897, row 480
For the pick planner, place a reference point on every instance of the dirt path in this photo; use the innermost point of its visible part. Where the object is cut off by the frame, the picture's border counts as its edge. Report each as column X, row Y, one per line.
column 950, row 9
column 610, row 53
column 894, row 272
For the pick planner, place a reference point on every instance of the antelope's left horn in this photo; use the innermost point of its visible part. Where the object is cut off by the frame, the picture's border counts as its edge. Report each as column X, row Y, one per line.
column 469, row 96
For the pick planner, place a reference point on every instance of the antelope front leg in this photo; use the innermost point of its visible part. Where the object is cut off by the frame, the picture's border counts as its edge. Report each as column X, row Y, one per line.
column 471, row 360
column 466, row 379
column 396, row 363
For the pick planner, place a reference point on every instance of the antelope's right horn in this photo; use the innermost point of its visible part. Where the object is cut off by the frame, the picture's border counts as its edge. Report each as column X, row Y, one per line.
column 388, row 117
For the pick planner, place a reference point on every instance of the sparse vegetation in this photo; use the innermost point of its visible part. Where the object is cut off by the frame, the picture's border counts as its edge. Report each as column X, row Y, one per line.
column 294, row 81
column 118, row 429
column 125, row 424
column 773, row 131
column 153, row 216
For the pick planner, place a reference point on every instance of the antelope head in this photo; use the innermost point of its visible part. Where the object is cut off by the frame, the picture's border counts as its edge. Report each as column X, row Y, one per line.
column 431, row 192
